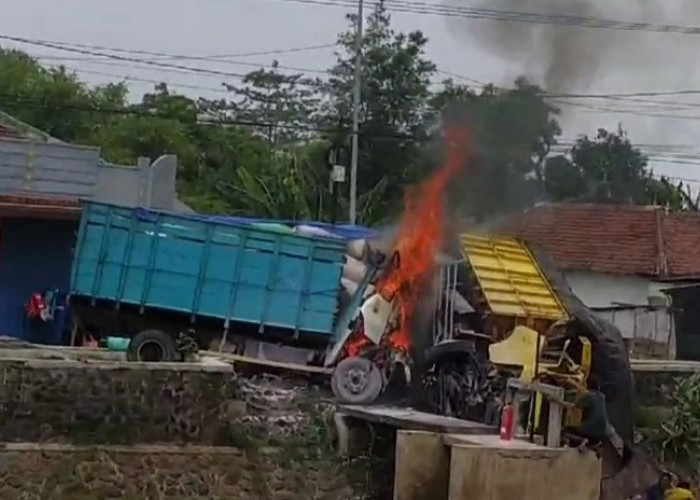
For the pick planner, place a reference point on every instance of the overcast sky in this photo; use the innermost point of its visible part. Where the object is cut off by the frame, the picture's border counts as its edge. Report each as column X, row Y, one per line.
column 460, row 46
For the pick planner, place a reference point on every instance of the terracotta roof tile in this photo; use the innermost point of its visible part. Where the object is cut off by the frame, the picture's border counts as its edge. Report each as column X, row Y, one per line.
column 613, row 239
column 8, row 132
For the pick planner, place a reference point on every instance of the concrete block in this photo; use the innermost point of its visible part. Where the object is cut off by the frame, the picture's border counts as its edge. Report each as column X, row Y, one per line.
column 490, row 470
column 422, row 466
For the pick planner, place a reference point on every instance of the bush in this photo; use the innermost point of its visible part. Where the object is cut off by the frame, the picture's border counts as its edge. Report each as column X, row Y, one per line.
column 677, row 439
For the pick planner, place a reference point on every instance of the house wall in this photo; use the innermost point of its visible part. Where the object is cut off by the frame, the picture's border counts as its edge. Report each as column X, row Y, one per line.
column 624, row 301
column 47, row 169
column 601, row 290
column 649, row 331
column 35, row 255
column 69, row 171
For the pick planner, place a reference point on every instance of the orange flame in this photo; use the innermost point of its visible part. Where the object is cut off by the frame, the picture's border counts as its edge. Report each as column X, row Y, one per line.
column 420, row 237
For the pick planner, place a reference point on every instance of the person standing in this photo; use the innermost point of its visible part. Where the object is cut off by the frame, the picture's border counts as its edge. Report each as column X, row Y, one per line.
column 658, row 490
column 680, row 492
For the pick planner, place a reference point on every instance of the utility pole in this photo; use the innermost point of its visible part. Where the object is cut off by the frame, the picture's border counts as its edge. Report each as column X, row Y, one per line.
column 356, row 113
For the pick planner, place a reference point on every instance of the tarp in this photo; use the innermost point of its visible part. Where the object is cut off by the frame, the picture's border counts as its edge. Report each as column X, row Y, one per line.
column 343, row 231
column 610, row 364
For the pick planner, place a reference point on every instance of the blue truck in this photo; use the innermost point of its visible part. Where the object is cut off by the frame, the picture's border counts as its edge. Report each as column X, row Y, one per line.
column 161, row 279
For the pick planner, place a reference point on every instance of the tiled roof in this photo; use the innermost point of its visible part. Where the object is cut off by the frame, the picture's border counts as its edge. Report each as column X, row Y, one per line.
column 6, row 131
column 12, row 128
column 616, row 239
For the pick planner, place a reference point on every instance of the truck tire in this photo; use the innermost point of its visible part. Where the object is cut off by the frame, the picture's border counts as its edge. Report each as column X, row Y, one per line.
column 356, row 381
column 152, row 346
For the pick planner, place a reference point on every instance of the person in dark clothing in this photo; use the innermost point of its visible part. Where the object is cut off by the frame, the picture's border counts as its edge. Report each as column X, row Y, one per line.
column 658, row 490
column 594, row 419
column 593, row 429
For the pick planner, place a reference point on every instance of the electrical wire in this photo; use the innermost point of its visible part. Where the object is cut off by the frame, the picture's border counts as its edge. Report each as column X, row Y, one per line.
column 553, row 97
column 218, row 58
column 104, row 59
column 170, row 84
column 158, row 64
column 85, row 49
column 509, row 16
column 314, row 83
column 561, row 148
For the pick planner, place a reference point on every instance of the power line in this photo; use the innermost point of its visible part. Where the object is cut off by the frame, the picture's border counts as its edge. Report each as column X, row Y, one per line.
column 218, row 58
column 561, row 148
column 129, row 78
column 559, row 102
column 146, row 61
column 116, row 57
column 625, row 111
column 158, row 56
column 132, row 110
column 556, row 98
column 93, row 51
column 510, row 16
column 631, row 97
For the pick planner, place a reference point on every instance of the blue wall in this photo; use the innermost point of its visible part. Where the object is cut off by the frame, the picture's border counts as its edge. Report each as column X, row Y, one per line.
column 35, row 255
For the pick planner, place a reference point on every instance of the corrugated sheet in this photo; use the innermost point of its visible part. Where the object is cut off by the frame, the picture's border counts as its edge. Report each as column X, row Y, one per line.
column 510, row 279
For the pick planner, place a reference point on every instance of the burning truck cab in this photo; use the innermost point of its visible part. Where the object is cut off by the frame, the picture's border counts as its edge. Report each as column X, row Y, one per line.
column 453, row 317
column 455, row 336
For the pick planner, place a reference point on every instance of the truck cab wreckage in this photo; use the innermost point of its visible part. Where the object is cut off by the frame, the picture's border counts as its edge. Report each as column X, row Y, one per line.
column 494, row 310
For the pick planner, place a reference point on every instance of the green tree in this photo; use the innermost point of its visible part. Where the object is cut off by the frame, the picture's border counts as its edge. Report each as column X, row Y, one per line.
column 513, row 131
column 286, row 104
column 54, row 100
column 608, row 168
column 393, row 113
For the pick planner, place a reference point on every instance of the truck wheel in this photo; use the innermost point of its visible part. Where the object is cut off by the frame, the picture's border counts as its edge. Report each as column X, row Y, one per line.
column 152, row 346
column 356, row 381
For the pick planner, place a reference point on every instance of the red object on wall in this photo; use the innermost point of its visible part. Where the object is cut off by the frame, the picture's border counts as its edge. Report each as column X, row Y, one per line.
column 507, row 422
column 36, row 307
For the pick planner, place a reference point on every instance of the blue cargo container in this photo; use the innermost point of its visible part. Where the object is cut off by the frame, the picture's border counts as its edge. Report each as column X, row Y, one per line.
column 152, row 261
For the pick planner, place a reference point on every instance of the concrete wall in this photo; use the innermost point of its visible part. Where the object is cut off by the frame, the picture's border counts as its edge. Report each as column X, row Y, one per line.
column 51, row 169
column 624, row 301
column 70, row 171
column 464, row 467
column 496, row 473
column 146, row 185
column 109, row 430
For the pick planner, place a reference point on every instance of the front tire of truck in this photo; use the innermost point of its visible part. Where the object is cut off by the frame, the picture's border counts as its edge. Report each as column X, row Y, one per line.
column 356, row 381
column 152, row 346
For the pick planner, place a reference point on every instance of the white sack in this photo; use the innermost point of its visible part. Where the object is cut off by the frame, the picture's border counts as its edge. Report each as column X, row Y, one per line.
column 313, row 231
column 357, row 249
column 353, row 269
column 349, row 286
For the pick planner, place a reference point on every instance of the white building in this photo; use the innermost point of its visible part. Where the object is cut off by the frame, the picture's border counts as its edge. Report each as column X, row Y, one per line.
column 618, row 259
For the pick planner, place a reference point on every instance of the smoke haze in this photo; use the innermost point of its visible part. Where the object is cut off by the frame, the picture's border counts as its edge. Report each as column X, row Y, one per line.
column 566, row 58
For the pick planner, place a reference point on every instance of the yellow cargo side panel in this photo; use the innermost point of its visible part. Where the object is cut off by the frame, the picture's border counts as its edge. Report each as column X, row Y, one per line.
column 511, row 281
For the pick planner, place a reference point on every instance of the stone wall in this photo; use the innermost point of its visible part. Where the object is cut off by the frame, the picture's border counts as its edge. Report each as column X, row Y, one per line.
column 148, row 472
column 117, row 403
column 76, row 430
